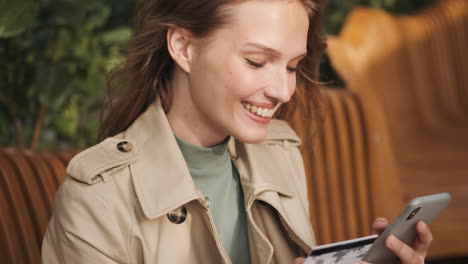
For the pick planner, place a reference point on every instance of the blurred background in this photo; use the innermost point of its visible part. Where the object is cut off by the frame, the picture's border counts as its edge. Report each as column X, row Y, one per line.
column 55, row 55
column 395, row 125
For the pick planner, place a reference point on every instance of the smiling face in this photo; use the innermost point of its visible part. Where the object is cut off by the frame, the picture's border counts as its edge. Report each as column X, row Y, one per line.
column 234, row 83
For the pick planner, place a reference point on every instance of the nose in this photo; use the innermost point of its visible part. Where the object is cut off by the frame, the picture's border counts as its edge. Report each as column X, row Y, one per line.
column 282, row 86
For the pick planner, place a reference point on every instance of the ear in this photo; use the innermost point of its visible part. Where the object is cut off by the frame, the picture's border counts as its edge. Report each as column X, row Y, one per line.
column 180, row 44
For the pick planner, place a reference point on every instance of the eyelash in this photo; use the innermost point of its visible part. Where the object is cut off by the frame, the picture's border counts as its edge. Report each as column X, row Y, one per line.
column 254, row 64
column 257, row 65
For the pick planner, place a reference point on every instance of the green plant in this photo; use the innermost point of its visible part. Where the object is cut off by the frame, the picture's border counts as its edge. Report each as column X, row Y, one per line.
column 54, row 66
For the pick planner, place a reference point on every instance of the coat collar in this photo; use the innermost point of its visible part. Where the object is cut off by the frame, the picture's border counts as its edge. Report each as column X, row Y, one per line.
column 162, row 180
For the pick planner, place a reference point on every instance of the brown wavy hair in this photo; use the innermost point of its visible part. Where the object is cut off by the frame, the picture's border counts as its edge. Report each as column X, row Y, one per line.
column 146, row 70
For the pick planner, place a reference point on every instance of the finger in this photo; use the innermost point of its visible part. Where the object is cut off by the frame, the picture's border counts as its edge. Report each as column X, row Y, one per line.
column 406, row 254
column 424, row 239
column 299, row 261
column 379, row 225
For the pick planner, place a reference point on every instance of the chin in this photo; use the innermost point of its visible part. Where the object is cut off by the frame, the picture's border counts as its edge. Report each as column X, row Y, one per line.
column 251, row 137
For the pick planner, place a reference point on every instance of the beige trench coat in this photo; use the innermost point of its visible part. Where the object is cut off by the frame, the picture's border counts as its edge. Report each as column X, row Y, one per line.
column 114, row 206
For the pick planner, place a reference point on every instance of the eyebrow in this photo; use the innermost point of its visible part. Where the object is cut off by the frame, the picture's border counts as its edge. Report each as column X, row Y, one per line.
column 272, row 52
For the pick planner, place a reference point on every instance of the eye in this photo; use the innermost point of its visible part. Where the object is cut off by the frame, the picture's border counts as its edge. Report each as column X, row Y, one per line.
column 292, row 69
column 254, row 64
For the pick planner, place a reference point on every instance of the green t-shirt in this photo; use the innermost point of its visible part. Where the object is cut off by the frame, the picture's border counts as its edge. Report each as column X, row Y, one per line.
column 215, row 175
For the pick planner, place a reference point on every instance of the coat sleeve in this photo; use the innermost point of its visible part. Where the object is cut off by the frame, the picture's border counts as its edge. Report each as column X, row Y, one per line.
column 83, row 229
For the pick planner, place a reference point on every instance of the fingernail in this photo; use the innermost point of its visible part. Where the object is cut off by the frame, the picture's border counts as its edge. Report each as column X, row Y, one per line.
column 392, row 242
column 379, row 223
column 381, row 220
column 423, row 225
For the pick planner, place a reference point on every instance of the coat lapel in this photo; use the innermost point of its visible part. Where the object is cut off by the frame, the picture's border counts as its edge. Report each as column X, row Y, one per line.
column 163, row 182
column 267, row 176
column 161, row 177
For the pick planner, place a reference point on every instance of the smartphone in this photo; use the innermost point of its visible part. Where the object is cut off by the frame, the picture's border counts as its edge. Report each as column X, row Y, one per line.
column 424, row 208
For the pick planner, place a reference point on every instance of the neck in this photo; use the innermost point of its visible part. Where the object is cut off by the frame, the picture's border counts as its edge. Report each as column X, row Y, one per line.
column 187, row 123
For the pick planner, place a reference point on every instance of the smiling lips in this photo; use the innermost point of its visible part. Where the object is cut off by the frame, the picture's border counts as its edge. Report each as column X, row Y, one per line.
column 259, row 111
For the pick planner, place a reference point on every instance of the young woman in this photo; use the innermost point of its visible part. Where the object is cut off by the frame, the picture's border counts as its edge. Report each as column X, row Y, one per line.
column 192, row 168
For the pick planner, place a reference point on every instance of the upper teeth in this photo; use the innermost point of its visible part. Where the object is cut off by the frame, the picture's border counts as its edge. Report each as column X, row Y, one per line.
column 263, row 112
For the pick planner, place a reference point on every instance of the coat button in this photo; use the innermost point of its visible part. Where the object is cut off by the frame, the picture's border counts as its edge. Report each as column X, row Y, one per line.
column 125, row 146
column 178, row 216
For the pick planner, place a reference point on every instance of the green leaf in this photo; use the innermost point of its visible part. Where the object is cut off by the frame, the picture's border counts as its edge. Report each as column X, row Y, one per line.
column 66, row 123
column 98, row 17
column 117, row 36
column 16, row 16
column 61, row 45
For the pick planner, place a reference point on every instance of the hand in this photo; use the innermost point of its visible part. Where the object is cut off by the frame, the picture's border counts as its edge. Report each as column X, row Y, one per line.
column 380, row 224
column 407, row 255
column 299, row 261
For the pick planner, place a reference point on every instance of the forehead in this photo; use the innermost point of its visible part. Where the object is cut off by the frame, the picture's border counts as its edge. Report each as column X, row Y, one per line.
column 279, row 24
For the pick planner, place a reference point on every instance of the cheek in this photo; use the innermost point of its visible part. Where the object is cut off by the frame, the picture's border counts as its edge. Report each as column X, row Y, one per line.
column 227, row 81
column 293, row 83
column 206, row 79
column 246, row 81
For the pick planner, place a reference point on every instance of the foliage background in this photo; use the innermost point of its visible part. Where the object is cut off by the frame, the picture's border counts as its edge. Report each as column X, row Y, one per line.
column 54, row 56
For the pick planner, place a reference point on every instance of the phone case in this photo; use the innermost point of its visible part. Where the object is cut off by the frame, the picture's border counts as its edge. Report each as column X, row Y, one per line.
column 424, row 208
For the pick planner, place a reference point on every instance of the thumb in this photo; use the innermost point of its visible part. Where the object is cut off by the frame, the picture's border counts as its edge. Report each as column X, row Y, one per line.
column 299, row 261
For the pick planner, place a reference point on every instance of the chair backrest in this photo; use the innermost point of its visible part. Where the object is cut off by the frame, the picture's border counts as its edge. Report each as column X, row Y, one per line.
column 28, row 181
column 337, row 157
column 412, row 73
